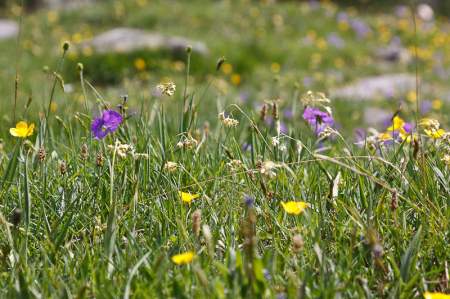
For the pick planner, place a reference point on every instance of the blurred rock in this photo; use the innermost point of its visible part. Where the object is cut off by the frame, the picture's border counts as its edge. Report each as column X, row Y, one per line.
column 376, row 117
column 393, row 54
column 376, row 87
column 8, row 29
column 126, row 40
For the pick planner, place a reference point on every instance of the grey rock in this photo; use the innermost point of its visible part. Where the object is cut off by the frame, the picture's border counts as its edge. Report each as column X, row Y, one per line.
column 376, row 87
column 393, row 54
column 8, row 29
column 126, row 40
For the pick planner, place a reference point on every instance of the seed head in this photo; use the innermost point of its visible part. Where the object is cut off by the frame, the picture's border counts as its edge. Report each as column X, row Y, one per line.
column 62, row 167
column 263, row 112
column 42, row 154
column 100, row 159
column 275, row 113
column 196, row 222
column 84, row 153
column 297, row 243
column 394, row 201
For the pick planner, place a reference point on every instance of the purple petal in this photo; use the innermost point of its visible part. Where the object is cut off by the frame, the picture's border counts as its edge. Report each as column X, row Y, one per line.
column 98, row 129
column 408, row 127
column 112, row 119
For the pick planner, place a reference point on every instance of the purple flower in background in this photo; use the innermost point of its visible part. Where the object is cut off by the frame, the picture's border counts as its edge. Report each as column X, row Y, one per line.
column 105, row 124
column 425, row 106
column 335, row 40
column 342, row 17
column 360, row 135
column 288, row 113
column 318, row 119
column 246, row 147
column 283, row 128
column 360, row 27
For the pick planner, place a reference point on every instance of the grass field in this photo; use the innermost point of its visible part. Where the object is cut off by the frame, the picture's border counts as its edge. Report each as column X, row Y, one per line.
column 152, row 176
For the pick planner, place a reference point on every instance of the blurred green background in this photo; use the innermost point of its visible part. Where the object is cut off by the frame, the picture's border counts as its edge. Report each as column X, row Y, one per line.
column 273, row 50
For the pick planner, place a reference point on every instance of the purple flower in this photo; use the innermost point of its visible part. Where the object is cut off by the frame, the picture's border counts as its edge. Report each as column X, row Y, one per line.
column 283, row 128
column 288, row 113
column 249, row 201
column 318, row 119
column 107, row 123
column 425, row 106
column 360, row 135
column 335, row 40
column 361, row 29
column 308, row 81
column 408, row 127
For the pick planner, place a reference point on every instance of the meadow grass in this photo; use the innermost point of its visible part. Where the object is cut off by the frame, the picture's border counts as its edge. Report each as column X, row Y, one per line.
column 85, row 217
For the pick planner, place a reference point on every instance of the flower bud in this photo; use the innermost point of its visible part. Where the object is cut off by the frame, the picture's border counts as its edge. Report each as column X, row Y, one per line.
column 66, row 46
column 220, row 62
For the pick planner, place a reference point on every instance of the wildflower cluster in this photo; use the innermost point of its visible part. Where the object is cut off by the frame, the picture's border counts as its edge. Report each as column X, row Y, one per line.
column 399, row 131
column 228, row 121
column 124, row 150
column 167, row 88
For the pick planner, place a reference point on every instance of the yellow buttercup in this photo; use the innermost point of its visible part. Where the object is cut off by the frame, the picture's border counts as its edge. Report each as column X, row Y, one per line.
column 187, row 197
column 294, row 207
column 183, row 258
column 22, row 130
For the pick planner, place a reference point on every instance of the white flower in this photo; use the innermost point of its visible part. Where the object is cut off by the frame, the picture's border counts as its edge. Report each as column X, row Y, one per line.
column 167, row 89
column 228, row 121
column 275, row 141
column 170, row 166
column 267, row 168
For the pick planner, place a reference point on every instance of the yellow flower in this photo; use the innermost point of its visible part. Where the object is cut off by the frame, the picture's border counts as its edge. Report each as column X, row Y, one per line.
column 385, row 136
column 429, row 123
column 227, row 68
column 397, row 124
column 409, row 137
column 436, row 104
column 140, row 64
column 275, row 67
column 294, row 207
column 236, row 79
column 428, row 295
column 435, row 134
column 183, row 258
column 22, row 130
column 412, row 96
column 188, row 197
